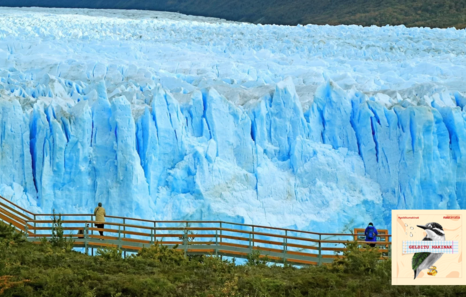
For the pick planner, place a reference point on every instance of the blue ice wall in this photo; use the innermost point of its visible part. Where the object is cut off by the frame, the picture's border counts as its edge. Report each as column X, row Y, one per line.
column 345, row 160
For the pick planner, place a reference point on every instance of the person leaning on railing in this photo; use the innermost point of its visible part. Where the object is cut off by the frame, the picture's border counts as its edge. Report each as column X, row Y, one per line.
column 99, row 213
column 371, row 234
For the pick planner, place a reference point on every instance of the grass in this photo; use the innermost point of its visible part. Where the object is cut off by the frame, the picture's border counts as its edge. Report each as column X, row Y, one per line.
column 51, row 269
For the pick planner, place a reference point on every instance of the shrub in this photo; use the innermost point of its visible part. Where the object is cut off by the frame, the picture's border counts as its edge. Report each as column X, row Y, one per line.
column 9, row 232
column 255, row 259
column 163, row 254
column 58, row 238
column 6, row 283
column 357, row 259
column 110, row 253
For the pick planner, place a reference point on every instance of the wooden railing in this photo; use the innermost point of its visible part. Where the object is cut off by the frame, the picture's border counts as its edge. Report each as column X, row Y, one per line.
column 194, row 237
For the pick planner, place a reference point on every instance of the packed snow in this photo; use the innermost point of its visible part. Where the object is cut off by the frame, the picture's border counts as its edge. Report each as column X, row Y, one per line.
column 165, row 116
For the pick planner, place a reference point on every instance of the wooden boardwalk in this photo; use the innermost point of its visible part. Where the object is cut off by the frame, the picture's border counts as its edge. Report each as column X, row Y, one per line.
column 193, row 237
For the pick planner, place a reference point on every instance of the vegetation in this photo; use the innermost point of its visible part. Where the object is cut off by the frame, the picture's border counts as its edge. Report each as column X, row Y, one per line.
column 419, row 13
column 58, row 238
column 28, row 269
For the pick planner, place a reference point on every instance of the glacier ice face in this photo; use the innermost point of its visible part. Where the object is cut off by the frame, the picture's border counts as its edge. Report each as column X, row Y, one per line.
column 169, row 117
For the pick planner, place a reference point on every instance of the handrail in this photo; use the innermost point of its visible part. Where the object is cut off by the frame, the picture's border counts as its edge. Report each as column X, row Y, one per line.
column 194, row 222
column 17, row 206
column 15, row 211
column 292, row 245
column 196, row 228
column 191, row 229
column 213, row 222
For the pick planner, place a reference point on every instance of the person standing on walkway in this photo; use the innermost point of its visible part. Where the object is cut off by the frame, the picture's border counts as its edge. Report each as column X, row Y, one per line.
column 371, row 234
column 99, row 213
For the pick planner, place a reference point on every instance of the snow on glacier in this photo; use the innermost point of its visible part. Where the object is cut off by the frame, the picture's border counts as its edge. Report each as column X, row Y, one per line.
column 164, row 116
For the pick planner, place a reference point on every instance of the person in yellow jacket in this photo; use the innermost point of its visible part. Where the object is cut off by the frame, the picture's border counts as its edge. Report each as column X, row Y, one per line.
column 99, row 213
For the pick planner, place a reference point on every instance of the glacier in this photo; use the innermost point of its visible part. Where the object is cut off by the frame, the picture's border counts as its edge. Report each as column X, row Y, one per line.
column 170, row 117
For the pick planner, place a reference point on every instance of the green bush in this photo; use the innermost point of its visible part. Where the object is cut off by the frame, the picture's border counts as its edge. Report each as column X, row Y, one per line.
column 58, row 238
column 9, row 232
column 357, row 258
column 163, row 254
column 110, row 253
column 254, row 259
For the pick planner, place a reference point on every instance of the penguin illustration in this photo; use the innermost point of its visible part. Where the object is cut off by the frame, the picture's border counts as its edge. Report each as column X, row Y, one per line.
column 425, row 260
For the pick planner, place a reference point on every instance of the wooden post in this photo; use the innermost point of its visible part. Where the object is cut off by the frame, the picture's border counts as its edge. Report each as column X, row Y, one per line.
column 221, row 239
column 124, row 234
column 92, row 232
column 253, row 236
column 92, row 220
column 185, row 239
column 216, row 243
column 59, row 218
column 285, row 249
column 85, row 240
column 220, row 232
column 320, row 250
column 34, row 224
column 119, row 237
